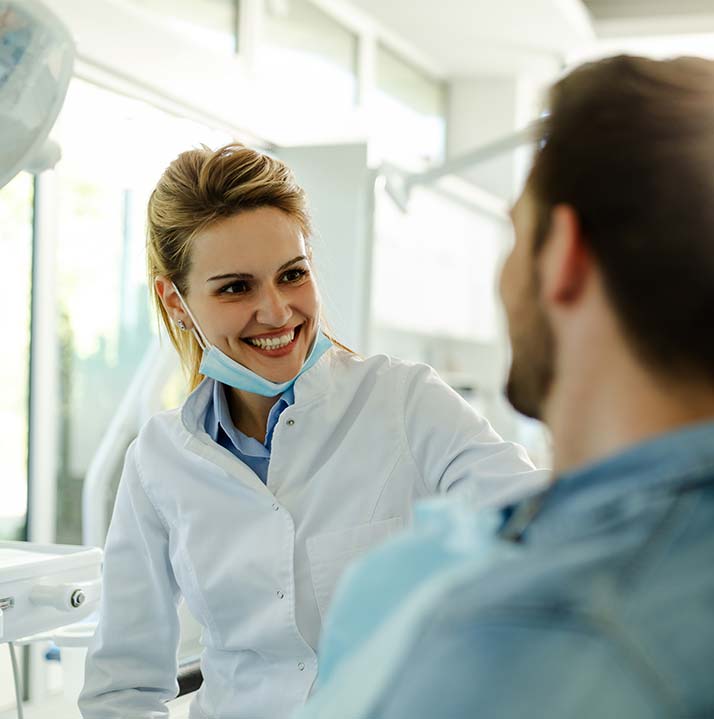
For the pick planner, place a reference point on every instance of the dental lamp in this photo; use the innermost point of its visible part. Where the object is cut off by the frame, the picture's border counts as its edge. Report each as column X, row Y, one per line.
column 36, row 60
column 399, row 183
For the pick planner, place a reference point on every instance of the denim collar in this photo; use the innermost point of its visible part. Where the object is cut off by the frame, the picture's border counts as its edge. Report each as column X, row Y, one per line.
column 619, row 486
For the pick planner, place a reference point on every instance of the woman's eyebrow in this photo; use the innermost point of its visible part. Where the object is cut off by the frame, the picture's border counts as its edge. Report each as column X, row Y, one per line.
column 247, row 276
column 291, row 262
column 231, row 276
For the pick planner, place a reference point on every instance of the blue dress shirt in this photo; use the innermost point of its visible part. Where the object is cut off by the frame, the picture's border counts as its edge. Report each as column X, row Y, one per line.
column 249, row 450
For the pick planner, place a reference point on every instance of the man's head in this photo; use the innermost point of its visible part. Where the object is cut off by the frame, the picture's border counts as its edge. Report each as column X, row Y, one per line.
column 619, row 205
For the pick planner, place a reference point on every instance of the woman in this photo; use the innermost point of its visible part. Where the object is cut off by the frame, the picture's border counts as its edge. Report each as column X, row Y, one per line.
column 290, row 457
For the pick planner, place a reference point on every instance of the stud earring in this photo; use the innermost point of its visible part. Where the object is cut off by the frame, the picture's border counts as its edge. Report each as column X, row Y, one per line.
column 182, row 325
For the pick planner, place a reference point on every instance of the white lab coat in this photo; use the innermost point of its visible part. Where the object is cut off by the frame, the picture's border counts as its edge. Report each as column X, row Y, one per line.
column 256, row 564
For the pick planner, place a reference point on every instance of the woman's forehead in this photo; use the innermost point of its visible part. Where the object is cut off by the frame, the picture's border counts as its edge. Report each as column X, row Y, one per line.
column 252, row 242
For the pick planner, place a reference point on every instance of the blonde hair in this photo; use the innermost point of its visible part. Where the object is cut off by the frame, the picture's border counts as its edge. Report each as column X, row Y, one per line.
column 199, row 188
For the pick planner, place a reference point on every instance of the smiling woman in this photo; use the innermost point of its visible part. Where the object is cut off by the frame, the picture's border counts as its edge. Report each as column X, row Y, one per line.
column 220, row 225
column 250, row 285
column 245, row 286
column 290, row 457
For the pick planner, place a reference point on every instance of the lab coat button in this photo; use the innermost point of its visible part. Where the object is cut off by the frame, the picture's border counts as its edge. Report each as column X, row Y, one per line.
column 280, row 594
column 290, row 422
column 276, row 507
column 301, row 666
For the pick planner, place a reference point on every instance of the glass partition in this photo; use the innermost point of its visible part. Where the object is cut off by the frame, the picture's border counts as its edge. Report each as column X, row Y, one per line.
column 16, row 215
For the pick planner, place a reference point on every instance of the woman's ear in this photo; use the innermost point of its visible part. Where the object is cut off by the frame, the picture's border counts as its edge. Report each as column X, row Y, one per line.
column 171, row 301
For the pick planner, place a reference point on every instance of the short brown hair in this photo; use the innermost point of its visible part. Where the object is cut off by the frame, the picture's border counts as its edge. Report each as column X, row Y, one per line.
column 629, row 143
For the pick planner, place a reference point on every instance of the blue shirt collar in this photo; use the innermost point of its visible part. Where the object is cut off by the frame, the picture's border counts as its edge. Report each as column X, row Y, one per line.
column 218, row 419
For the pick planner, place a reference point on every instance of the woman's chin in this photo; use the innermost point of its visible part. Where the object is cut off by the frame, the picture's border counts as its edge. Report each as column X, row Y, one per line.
column 275, row 374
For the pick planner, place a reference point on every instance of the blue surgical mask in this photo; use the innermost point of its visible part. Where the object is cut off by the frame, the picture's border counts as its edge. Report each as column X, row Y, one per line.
column 220, row 367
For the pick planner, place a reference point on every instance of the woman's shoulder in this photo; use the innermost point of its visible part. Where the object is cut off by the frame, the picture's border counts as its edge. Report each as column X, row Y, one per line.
column 385, row 378
column 379, row 364
column 159, row 431
column 175, row 426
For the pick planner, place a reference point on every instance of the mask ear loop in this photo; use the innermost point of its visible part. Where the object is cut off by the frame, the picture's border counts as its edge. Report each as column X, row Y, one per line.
column 196, row 329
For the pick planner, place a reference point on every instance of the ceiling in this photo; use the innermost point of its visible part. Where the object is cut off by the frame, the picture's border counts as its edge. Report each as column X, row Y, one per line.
column 653, row 18
column 640, row 9
column 465, row 37
column 469, row 37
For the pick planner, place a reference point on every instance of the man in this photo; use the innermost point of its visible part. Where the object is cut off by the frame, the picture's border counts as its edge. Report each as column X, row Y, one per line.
column 596, row 598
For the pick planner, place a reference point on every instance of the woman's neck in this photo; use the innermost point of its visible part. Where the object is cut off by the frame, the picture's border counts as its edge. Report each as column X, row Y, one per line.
column 249, row 412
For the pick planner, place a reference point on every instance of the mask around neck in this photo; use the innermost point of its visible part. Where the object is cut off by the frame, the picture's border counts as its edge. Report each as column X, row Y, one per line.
column 222, row 368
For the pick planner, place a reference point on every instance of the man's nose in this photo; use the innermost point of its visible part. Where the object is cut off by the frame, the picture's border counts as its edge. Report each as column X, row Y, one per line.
column 273, row 308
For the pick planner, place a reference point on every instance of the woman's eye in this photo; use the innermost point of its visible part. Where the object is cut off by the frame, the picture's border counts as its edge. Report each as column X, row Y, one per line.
column 235, row 288
column 294, row 275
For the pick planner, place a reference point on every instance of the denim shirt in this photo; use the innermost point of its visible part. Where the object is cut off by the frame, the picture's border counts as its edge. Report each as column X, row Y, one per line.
column 249, row 450
column 603, row 608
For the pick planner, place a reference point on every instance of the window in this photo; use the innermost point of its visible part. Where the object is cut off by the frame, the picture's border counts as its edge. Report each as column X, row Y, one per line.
column 307, row 59
column 209, row 23
column 409, row 113
column 114, row 150
column 16, row 249
column 435, row 267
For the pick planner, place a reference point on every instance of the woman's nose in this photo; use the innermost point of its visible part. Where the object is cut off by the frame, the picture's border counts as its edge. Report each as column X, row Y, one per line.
column 273, row 308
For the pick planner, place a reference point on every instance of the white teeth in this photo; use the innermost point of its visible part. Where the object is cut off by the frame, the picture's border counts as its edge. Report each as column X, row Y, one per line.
column 274, row 343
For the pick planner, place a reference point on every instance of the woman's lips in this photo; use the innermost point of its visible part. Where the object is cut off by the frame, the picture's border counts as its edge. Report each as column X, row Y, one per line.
column 280, row 351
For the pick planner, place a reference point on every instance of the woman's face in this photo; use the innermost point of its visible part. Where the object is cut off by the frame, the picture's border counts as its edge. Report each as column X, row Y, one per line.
column 251, row 290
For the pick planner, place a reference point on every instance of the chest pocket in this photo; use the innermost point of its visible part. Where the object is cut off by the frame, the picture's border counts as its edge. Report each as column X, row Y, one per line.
column 330, row 554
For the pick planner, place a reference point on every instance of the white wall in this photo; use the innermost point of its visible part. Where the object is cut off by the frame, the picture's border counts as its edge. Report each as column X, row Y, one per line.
column 337, row 182
column 484, row 108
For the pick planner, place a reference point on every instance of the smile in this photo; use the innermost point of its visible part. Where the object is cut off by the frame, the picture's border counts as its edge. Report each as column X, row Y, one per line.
column 274, row 343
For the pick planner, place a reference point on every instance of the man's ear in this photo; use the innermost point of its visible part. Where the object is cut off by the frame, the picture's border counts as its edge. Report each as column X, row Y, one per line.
column 565, row 261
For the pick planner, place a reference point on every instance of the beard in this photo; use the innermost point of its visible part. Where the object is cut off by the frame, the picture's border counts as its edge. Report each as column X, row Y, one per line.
column 533, row 352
